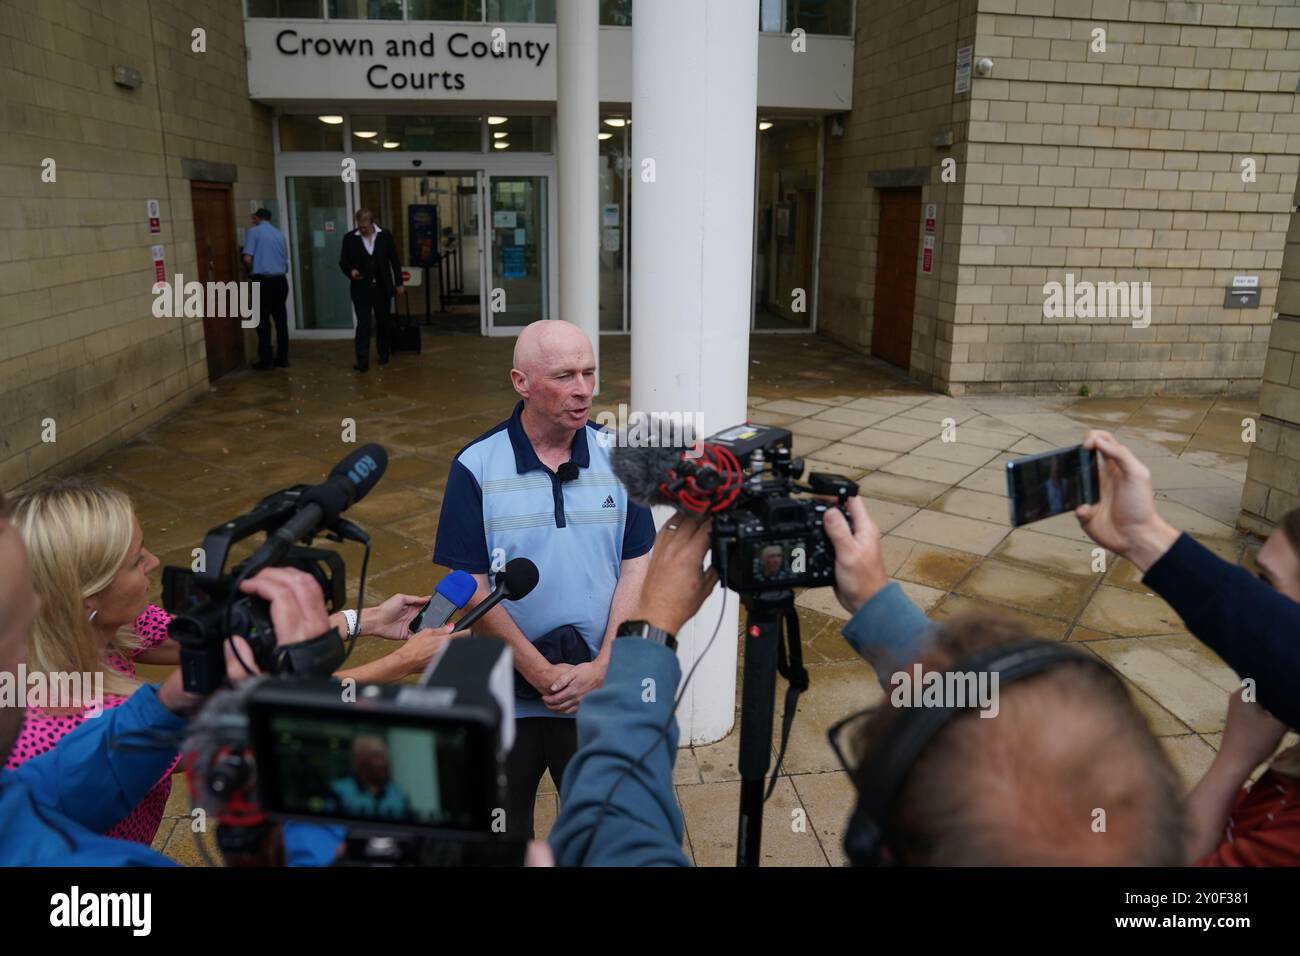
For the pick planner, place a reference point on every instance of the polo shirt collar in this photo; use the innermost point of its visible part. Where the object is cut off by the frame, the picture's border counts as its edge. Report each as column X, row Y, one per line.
column 526, row 458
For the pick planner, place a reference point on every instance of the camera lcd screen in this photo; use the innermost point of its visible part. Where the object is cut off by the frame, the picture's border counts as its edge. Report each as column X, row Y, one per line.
column 776, row 560
column 358, row 770
column 1051, row 483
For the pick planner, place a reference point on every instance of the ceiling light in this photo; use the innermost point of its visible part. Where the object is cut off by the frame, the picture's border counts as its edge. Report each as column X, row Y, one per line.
column 496, row 120
column 365, row 133
column 617, row 122
column 500, row 144
column 765, row 125
column 501, row 134
column 331, row 120
column 604, row 136
column 391, row 144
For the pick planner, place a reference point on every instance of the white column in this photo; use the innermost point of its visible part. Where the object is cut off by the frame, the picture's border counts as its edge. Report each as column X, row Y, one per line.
column 578, row 122
column 694, row 121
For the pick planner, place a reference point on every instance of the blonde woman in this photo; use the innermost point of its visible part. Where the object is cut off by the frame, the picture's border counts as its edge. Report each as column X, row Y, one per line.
column 91, row 573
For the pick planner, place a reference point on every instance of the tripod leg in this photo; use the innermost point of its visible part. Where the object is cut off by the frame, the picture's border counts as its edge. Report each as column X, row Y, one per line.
column 758, row 699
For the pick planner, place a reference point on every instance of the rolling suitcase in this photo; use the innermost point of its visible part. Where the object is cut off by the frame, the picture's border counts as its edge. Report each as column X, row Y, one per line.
column 406, row 330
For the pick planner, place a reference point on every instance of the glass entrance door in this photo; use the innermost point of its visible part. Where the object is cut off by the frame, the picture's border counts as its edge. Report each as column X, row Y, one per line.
column 318, row 220
column 519, row 255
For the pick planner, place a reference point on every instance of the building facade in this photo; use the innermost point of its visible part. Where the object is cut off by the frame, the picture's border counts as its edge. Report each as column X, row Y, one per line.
column 992, row 195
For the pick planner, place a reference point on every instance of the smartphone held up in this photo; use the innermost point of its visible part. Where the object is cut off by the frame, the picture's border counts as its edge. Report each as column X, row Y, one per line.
column 1052, row 483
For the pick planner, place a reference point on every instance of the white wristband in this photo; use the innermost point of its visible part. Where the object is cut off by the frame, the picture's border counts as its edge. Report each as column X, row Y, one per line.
column 353, row 622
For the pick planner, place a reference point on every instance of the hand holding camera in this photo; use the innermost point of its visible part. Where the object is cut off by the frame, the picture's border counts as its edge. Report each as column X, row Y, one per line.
column 859, row 561
column 677, row 584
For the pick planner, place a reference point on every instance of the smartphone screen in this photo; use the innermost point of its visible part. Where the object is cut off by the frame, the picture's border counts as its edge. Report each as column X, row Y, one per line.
column 1051, row 483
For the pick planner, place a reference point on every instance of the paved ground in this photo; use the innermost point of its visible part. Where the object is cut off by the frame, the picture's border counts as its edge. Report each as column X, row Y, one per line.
column 941, row 505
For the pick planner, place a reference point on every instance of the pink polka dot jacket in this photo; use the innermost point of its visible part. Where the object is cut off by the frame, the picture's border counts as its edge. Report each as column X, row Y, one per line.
column 42, row 731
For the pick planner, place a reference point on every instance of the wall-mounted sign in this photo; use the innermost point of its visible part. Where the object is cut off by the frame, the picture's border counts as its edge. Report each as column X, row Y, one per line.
column 927, row 255
column 1245, row 282
column 965, row 60
column 154, row 216
column 609, row 214
column 504, row 218
column 159, row 267
column 931, row 216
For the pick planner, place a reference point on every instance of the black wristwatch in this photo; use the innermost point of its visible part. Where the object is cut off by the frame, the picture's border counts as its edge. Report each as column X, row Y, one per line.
column 647, row 631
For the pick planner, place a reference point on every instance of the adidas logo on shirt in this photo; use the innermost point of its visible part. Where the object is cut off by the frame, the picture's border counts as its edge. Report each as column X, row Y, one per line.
column 609, row 502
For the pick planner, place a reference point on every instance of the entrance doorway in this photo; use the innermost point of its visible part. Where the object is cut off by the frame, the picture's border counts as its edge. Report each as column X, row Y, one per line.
column 434, row 219
column 214, row 246
column 900, row 228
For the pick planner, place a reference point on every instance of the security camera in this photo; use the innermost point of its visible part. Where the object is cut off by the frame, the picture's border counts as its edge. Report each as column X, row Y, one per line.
column 984, row 67
column 417, row 162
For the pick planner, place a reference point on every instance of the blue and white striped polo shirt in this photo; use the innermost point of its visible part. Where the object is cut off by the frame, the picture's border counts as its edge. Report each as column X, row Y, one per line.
column 501, row 502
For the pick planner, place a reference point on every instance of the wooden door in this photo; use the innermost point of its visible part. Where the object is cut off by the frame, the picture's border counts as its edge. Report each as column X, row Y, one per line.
column 214, row 245
column 900, row 228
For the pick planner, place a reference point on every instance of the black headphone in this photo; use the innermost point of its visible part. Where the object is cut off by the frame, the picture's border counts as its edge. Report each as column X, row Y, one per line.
column 885, row 771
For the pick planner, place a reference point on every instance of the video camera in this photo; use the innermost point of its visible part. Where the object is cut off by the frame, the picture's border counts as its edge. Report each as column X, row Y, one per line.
column 745, row 478
column 416, row 774
column 766, row 538
column 208, row 607
column 766, row 542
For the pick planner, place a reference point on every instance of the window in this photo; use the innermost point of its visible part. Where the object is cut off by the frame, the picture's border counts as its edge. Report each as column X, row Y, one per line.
column 521, row 11
column 300, row 9
column 365, row 9
column 827, row 17
column 520, row 134
column 442, row 134
column 311, row 134
column 830, row 17
column 616, row 13
column 467, row 10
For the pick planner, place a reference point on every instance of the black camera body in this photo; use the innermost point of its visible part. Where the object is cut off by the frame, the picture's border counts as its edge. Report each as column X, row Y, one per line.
column 767, row 539
column 208, row 607
column 414, row 774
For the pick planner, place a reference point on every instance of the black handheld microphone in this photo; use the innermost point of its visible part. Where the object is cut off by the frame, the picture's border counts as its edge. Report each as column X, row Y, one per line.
column 515, row 582
column 320, row 505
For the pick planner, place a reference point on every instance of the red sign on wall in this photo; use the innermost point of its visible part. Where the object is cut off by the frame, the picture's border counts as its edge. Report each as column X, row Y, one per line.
column 159, row 268
column 927, row 255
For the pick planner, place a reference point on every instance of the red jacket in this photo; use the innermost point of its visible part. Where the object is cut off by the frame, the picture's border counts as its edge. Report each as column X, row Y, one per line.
column 1264, row 826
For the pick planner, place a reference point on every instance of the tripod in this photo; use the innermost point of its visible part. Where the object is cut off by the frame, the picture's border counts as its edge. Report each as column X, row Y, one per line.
column 769, row 614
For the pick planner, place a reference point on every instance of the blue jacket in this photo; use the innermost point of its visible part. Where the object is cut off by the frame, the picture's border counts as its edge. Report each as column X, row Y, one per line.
column 642, row 825
column 55, row 807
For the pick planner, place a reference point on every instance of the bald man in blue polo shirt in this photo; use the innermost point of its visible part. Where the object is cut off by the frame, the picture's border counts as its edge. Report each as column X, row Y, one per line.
column 539, row 485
